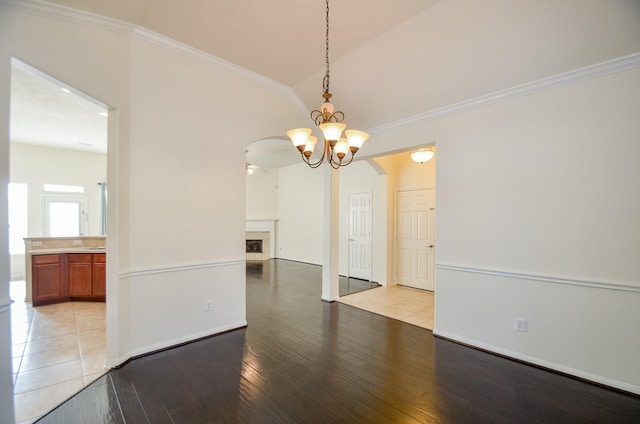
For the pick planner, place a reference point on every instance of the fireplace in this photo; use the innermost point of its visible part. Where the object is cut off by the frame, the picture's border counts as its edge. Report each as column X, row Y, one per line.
column 258, row 245
column 254, row 246
column 260, row 236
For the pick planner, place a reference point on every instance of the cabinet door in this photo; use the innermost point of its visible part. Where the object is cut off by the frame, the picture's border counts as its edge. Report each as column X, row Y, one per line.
column 80, row 274
column 99, row 275
column 46, row 278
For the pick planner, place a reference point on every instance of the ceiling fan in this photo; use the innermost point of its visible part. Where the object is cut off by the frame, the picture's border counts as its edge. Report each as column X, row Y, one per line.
column 251, row 168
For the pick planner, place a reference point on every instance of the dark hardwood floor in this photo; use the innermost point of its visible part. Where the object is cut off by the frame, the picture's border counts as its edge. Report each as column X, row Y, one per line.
column 302, row 360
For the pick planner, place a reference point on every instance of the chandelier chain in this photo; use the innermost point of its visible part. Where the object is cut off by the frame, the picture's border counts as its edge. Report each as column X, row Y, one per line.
column 325, row 80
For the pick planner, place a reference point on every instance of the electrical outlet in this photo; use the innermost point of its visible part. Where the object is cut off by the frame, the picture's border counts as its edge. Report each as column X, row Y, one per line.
column 77, row 242
column 520, row 325
column 36, row 244
column 208, row 305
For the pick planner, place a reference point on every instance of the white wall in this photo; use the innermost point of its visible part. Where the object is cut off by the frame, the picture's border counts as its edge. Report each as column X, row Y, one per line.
column 538, row 199
column 36, row 166
column 300, row 214
column 262, row 194
column 178, row 130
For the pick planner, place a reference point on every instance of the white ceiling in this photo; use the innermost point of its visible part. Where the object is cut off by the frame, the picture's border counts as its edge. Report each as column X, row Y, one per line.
column 283, row 40
column 43, row 114
column 280, row 39
column 390, row 61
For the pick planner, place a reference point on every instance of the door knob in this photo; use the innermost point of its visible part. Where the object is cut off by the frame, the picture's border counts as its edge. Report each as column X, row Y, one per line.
column 431, row 246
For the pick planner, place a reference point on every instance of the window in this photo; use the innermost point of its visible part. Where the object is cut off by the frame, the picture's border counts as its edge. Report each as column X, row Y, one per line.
column 65, row 215
column 63, row 188
column 18, row 217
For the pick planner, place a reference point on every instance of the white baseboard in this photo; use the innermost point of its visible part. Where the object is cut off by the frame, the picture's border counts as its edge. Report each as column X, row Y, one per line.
column 540, row 362
column 167, row 344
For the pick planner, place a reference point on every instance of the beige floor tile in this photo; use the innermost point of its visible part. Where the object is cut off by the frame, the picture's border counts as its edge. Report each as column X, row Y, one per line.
column 92, row 364
column 83, row 307
column 92, row 342
column 90, row 322
column 48, row 376
column 20, row 332
column 39, row 332
column 52, row 343
column 34, row 404
column 48, row 358
column 47, row 353
column 21, row 315
column 401, row 303
column 17, row 349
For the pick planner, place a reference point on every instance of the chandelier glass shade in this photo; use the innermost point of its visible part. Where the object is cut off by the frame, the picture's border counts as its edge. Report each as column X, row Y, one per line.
column 335, row 146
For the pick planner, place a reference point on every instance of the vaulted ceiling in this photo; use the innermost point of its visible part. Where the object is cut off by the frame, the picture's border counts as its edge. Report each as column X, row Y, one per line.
column 392, row 60
column 280, row 39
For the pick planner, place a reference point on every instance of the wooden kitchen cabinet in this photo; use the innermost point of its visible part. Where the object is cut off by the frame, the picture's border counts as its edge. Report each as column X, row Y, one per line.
column 99, row 275
column 80, row 282
column 47, row 279
column 68, row 276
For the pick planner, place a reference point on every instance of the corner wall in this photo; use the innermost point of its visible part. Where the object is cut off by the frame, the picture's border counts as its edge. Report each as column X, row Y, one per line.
column 538, row 199
column 177, row 135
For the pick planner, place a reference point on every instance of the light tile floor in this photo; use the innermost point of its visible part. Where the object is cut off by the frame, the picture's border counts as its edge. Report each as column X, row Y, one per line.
column 57, row 350
column 402, row 303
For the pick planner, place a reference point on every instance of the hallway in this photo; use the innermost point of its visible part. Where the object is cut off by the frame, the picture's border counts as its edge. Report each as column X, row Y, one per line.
column 304, row 360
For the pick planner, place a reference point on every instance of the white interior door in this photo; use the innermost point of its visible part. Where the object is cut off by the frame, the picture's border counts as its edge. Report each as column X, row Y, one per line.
column 360, row 235
column 415, row 242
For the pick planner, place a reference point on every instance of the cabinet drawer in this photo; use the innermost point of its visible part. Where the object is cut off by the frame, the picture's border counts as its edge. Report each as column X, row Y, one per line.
column 80, row 257
column 45, row 259
column 100, row 258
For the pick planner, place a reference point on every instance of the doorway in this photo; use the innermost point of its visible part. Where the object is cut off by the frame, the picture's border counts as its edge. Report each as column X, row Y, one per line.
column 58, row 142
column 415, row 248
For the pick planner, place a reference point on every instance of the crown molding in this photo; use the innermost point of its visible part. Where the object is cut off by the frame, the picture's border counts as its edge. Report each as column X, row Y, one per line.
column 75, row 16
column 66, row 14
column 581, row 74
column 177, row 46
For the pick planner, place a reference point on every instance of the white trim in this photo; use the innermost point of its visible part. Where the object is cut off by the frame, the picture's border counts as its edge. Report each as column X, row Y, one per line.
column 540, row 362
column 177, row 268
column 75, row 16
column 167, row 344
column 574, row 281
column 592, row 71
column 177, row 46
column 66, row 14
column 5, row 305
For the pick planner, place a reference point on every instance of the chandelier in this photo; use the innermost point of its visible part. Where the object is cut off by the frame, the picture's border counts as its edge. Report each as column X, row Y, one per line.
column 335, row 147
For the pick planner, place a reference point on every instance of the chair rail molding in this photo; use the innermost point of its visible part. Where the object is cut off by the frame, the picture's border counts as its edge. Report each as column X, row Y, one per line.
column 554, row 279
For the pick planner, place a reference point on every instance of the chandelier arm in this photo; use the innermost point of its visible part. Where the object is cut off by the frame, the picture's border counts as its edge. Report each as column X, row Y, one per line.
column 350, row 160
column 314, row 165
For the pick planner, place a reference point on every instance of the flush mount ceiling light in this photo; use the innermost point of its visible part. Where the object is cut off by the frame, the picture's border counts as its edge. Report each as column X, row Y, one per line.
column 422, row 155
column 335, row 146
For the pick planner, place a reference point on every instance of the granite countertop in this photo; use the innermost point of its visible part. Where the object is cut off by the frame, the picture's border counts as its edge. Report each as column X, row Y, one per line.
column 77, row 249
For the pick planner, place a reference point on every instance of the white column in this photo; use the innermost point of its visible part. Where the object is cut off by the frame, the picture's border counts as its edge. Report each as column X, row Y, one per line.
column 330, row 276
